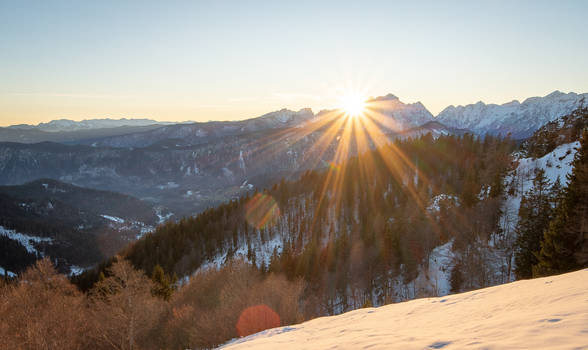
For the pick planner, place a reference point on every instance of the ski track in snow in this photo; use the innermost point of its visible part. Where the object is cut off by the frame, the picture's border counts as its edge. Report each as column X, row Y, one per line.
column 544, row 313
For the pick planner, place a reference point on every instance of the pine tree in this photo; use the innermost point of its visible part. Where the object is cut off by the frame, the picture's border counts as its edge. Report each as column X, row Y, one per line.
column 163, row 286
column 456, row 280
column 535, row 214
column 471, row 189
column 565, row 242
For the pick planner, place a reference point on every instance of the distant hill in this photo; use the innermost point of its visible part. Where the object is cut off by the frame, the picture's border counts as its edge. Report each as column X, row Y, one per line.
column 27, row 134
column 200, row 133
column 62, row 125
column 73, row 225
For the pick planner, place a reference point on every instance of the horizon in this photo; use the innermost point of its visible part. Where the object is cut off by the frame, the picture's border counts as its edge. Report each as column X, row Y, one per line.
column 314, row 111
column 234, row 61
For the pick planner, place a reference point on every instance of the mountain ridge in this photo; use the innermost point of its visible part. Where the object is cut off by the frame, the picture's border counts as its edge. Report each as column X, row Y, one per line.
column 518, row 119
column 59, row 125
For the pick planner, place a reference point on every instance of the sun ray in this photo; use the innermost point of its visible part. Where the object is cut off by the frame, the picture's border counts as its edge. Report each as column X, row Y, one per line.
column 362, row 128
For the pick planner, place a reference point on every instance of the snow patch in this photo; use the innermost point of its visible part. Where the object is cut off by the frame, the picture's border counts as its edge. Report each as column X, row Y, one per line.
column 557, row 165
column 161, row 216
column 3, row 272
column 434, row 207
column 169, row 185
column 113, row 219
column 75, row 270
column 25, row 240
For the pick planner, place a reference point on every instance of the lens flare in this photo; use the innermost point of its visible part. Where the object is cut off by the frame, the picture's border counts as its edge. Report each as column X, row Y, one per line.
column 256, row 319
column 261, row 210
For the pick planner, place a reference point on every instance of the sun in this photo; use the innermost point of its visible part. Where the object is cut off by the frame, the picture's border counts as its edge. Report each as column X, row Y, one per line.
column 353, row 105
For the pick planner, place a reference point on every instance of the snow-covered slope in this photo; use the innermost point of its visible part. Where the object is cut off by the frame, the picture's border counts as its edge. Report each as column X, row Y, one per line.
column 27, row 241
column 520, row 119
column 544, row 313
column 280, row 119
column 434, row 128
column 557, row 165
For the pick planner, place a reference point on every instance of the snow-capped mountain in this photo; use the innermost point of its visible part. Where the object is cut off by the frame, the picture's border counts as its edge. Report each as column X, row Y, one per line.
column 281, row 118
column 390, row 114
column 518, row 119
column 400, row 116
column 435, row 128
column 87, row 124
column 546, row 313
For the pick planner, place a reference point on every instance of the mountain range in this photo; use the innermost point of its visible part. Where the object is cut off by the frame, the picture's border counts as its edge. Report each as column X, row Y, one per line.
column 188, row 167
column 61, row 125
column 182, row 169
column 518, row 119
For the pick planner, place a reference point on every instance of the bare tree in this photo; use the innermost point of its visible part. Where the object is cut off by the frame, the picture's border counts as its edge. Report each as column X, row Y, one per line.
column 123, row 309
column 43, row 310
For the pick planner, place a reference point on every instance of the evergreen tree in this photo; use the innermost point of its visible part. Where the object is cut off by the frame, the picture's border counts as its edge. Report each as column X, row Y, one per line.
column 163, row 285
column 565, row 242
column 456, row 279
column 535, row 214
column 471, row 189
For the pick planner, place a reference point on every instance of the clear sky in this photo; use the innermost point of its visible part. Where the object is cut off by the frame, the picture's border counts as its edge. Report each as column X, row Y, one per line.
column 220, row 60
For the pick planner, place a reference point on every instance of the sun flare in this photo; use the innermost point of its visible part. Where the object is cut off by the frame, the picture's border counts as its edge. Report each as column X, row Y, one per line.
column 353, row 105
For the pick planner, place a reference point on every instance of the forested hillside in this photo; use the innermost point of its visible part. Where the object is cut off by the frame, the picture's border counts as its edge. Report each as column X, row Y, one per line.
column 73, row 225
column 562, row 130
column 356, row 233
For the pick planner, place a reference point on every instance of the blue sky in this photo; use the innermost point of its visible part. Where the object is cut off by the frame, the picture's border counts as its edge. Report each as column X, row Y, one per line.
column 220, row 60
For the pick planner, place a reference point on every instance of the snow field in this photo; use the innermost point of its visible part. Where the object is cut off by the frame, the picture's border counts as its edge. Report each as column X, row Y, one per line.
column 545, row 313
